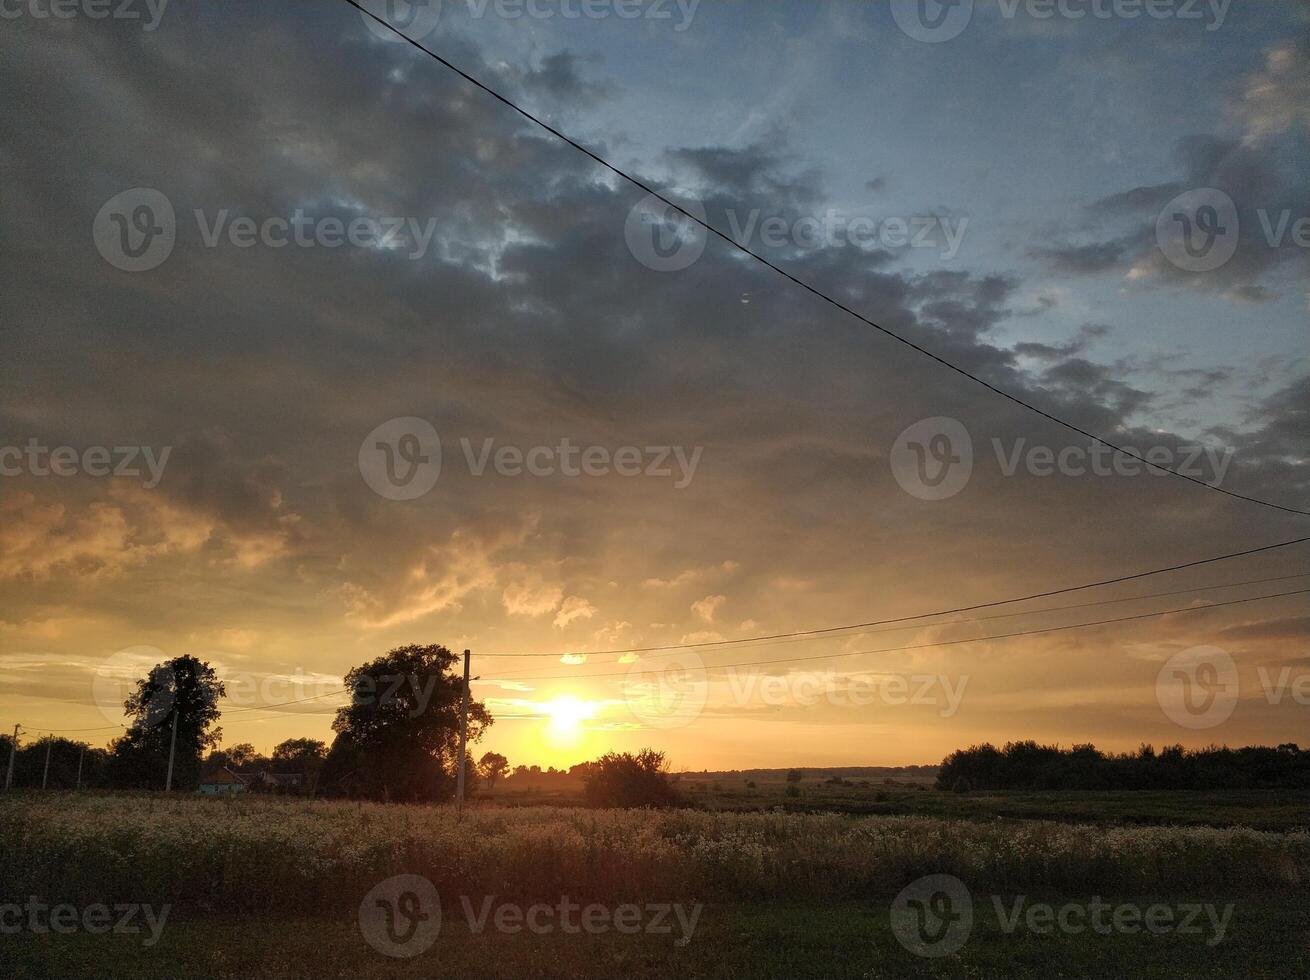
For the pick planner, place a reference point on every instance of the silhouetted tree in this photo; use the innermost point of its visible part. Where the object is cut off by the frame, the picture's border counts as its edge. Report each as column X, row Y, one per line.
column 303, row 755
column 493, row 768
column 1027, row 765
column 183, row 688
column 627, row 780
column 398, row 739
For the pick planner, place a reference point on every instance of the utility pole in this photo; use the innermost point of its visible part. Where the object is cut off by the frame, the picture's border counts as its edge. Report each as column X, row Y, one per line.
column 463, row 737
column 13, row 750
column 172, row 748
column 80, row 756
column 45, row 776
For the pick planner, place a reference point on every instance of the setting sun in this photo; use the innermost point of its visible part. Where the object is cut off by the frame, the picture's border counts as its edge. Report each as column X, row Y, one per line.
column 566, row 714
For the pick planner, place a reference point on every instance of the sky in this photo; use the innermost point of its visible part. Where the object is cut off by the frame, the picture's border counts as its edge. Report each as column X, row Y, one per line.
column 647, row 439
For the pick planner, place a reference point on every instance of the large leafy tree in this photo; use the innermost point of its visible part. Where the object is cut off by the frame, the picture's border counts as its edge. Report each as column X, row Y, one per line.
column 303, row 755
column 493, row 768
column 184, row 689
column 398, row 739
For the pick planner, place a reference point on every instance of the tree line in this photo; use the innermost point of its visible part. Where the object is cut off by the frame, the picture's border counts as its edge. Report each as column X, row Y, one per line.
column 1028, row 765
column 396, row 740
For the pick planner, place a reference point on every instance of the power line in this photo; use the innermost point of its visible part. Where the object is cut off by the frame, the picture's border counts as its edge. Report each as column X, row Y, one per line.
column 939, row 643
column 1025, row 612
column 940, row 612
column 813, row 289
column 851, row 653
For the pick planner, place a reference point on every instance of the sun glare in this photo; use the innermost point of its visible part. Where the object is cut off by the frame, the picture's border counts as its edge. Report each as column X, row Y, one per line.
column 566, row 714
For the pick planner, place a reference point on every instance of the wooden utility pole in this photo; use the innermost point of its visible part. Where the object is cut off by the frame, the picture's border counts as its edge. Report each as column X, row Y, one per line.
column 45, row 776
column 80, row 756
column 463, row 736
column 172, row 748
column 13, row 750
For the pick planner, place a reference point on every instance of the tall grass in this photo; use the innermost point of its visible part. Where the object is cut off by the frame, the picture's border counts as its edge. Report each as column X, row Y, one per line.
column 294, row 856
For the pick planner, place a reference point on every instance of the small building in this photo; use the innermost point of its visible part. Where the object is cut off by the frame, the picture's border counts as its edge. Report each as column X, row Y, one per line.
column 222, row 782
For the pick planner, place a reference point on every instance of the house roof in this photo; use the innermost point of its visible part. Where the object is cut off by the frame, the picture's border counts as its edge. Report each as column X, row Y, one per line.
column 222, row 777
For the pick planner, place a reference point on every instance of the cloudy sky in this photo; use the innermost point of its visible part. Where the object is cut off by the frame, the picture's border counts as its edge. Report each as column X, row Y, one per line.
column 184, row 290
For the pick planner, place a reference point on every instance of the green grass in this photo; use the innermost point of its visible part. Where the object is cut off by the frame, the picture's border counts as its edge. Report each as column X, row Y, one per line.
column 1259, row 809
column 854, row 939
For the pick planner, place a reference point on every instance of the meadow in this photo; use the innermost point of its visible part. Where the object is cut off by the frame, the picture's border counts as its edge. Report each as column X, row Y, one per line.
column 266, row 886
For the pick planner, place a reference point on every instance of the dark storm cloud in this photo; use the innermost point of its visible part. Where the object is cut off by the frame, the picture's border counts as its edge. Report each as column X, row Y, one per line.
column 1269, row 199
column 1083, row 259
column 528, row 319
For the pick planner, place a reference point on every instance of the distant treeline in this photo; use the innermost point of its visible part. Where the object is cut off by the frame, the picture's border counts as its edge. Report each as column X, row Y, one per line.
column 1027, row 765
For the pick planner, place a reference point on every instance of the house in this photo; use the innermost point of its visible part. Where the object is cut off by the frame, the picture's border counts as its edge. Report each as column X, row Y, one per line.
column 267, row 781
column 222, row 782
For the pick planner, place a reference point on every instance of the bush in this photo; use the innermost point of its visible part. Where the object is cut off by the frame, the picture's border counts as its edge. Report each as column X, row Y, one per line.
column 627, row 780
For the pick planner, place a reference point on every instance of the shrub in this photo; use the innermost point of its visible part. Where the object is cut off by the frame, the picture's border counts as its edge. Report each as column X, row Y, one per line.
column 627, row 780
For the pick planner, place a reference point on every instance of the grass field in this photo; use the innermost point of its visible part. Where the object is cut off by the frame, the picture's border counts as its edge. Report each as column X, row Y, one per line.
column 1259, row 809
column 272, row 887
